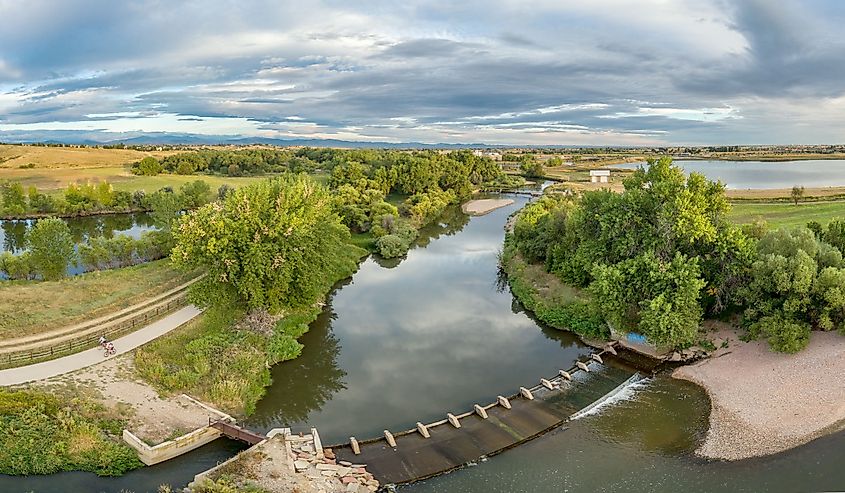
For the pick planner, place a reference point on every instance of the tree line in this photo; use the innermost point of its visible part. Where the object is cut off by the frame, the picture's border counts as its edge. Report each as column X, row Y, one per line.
column 662, row 255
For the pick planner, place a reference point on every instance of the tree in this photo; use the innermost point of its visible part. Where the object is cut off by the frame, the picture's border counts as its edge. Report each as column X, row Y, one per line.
column 51, row 246
column 274, row 244
column 14, row 199
column 797, row 194
column 195, row 194
column 149, row 166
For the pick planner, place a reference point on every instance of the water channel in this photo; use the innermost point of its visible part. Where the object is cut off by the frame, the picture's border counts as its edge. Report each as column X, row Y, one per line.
column 406, row 341
column 765, row 174
column 13, row 232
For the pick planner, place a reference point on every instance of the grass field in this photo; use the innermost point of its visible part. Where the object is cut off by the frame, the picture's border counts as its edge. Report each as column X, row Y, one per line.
column 32, row 307
column 780, row 215
column 15, row 156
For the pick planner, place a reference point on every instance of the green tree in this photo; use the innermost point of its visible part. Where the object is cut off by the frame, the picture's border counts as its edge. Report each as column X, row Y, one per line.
column 797, row 194
column 14, row 199
column 51, row 246
column 149, row 166
column 273, row 244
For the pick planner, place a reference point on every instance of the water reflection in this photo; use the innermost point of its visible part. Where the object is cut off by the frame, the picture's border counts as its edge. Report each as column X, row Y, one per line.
column 433, row 334
column 13, row 232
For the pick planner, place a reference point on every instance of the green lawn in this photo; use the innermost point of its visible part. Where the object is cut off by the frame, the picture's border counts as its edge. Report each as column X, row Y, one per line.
column 787, row 215
column 32, row 307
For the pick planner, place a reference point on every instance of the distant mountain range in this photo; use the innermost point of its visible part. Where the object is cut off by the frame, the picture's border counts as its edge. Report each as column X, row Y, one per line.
column 165, row 138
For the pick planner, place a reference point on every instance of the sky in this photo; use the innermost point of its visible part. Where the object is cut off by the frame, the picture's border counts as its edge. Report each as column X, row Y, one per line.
column 544, row 72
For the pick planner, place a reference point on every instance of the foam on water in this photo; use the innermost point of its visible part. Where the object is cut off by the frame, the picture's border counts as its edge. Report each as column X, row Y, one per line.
column 624, row 392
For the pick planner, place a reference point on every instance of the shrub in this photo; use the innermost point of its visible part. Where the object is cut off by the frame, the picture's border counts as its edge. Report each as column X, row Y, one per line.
column 391, row 246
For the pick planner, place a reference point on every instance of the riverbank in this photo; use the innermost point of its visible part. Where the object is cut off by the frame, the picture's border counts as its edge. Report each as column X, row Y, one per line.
column 763, row 402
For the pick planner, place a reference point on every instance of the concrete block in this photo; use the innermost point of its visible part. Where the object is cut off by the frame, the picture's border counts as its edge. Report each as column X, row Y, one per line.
column 356, row 449
column 452, row 419
column 389, row 437
column 318, row 444
column 565, row 374
column 480, row 411
column 423, row 429
column 596, row 357
column 526, row 393
column 610, row 349
column 546, row 384
column 582, row 366
column 504, row 402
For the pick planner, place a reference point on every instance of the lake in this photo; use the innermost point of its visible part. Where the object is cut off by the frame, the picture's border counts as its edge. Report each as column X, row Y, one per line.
column 764, row 174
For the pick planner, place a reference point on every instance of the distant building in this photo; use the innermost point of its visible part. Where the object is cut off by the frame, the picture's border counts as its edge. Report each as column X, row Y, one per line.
column 599, row 175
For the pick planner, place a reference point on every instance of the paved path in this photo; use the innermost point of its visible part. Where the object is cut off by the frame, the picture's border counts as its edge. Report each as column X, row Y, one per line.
column 90, row 357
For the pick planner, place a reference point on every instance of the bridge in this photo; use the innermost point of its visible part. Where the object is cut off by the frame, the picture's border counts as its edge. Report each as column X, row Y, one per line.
column 235, row 432
column 435, row 448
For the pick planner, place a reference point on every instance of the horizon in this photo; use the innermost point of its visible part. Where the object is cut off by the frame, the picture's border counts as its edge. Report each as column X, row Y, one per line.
column 586, row 74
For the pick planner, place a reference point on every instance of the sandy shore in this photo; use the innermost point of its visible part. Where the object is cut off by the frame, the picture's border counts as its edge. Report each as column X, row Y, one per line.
column 764, row 402
column 483, row 206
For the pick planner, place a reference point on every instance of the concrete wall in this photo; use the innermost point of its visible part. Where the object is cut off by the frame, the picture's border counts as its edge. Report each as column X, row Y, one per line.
column 172, row 448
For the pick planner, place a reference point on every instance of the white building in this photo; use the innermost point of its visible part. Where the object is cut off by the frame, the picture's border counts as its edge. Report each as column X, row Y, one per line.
column 599, row 175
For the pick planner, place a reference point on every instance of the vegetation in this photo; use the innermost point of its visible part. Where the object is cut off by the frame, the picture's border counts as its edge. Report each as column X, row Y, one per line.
column 43, row 434
column 655, row 258
column 797, row 193
column 50, row 248
column 782, row 214
column 797, row 284
column 272, row 250
column 34, row 307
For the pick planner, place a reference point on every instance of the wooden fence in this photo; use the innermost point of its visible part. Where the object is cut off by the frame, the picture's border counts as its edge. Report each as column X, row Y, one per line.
column 112, row 330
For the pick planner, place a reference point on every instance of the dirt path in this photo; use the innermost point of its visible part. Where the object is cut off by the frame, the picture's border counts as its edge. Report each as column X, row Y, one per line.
column 90, row 357
column 764, row 402
column 153, row 418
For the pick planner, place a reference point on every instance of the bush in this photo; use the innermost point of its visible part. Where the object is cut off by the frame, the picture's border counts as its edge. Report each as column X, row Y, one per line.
column 391, row 246
column 785, row 335
column 149, row 166
column 41, row 434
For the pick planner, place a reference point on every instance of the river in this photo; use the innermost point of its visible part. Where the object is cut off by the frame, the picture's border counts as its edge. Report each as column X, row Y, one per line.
column 406, row 341
column 757, row 175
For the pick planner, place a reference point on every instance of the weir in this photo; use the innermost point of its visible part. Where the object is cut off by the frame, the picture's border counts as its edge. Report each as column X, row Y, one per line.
column 435, row 448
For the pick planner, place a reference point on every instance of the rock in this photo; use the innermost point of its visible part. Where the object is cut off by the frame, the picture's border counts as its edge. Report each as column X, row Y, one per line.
column 348, row 479
column 352, row 488
column 345, row 463
column 343, row 471
column 329, row 453
column 359, row 470
column 676, row 356
column 328, row 473
column 301, row 465
column 326, row 467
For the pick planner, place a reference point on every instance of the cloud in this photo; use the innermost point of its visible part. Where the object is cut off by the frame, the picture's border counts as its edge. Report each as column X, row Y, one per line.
column 585, row 72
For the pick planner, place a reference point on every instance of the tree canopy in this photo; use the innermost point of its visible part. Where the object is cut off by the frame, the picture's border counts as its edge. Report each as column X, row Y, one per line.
column 655, row 257
column 273, row 244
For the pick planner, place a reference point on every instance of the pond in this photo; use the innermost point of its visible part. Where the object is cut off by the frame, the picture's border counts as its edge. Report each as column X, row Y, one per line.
column 13, row 232
column 406, row 341
column 763, row 174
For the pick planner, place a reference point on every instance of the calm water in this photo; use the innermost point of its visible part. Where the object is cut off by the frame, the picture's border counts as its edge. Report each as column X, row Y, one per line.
column 764, row 175
column 409, row 340
column 13, row 232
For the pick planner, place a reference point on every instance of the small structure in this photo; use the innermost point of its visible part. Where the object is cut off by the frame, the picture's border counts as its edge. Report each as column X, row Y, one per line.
column 599, row 175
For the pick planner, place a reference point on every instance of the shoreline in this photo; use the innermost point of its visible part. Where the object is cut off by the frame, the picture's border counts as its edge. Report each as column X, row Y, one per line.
column 762, row 402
